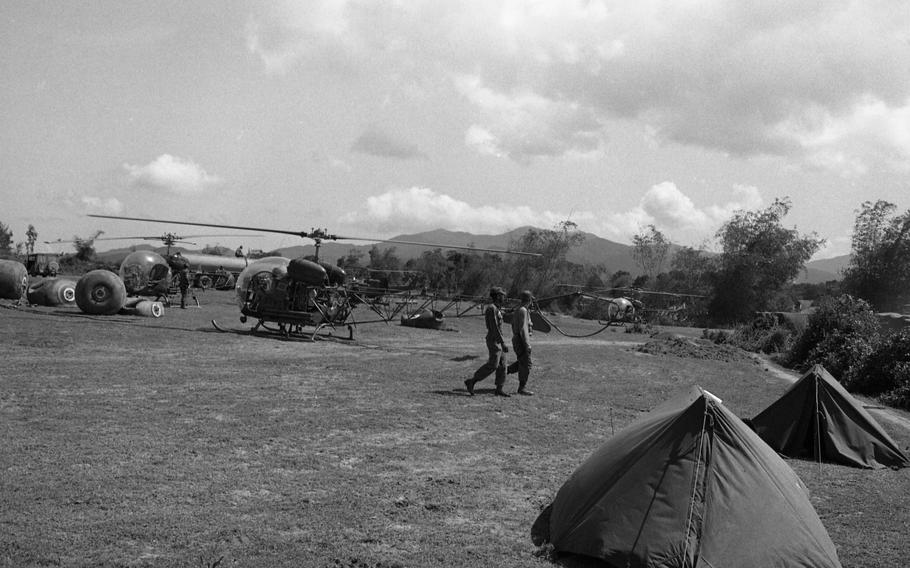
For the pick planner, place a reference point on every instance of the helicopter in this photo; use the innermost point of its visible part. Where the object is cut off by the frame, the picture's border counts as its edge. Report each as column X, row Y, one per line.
column 287, row 296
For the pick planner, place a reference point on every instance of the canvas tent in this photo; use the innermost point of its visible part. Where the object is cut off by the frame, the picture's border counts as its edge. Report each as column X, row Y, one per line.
column 688, row 485
column 818, row 419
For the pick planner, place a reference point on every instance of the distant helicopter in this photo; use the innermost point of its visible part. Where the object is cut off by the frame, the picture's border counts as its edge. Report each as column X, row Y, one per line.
column 288, row 295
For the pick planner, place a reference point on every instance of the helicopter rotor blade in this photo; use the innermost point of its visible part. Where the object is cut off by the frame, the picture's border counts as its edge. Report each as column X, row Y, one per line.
column 217, row 226
column 316, row 235
column 438, row 245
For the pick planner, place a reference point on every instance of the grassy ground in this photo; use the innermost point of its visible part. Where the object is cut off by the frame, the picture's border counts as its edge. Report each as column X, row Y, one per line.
column 130, row 441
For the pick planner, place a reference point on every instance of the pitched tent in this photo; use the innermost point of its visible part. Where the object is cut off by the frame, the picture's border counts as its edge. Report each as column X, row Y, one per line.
column 689, row 485
column 818, row 419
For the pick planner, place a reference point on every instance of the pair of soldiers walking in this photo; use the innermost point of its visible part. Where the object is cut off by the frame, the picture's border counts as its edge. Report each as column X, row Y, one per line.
column 496, row 344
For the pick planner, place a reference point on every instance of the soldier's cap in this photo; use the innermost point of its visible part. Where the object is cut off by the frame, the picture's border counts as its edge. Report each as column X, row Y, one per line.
column 525, row 296
column 497, row 291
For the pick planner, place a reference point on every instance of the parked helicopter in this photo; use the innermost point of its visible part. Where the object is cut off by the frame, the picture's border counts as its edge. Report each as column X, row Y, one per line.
column 288, row 295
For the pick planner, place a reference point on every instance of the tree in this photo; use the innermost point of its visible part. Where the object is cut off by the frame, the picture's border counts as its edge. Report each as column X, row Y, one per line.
column 85, row 247
column 759, row 258
column 879, row 269
column 350, row 260
column 6, row 239
column 32, row 236
column 538, row 273
column 690, row 272
column 649, row 249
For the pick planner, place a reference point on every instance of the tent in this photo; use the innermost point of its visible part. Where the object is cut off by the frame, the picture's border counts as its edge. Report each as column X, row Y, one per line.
column 818, row 419
column 688, row 485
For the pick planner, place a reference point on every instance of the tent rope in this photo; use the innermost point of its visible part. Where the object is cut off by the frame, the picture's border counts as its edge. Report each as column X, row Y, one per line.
column 695, row 481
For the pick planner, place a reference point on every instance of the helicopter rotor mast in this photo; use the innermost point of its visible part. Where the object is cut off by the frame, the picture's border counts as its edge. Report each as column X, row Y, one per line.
column 317, row 235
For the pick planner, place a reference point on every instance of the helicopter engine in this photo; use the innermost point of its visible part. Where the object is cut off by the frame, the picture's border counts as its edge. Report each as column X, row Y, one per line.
column 145, row 271
column 296, row 291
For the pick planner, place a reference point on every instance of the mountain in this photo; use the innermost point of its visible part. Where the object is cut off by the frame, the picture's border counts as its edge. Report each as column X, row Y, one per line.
column 594, row 250
column 824, row 270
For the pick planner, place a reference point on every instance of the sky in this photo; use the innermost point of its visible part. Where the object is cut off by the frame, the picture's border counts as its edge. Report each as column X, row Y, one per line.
column 374, row 119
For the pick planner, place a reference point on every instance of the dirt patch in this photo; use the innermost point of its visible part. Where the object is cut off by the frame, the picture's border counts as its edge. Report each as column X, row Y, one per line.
column 680, row 346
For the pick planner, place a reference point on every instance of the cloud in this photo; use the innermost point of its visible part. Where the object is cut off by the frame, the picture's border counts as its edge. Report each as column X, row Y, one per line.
column 823, row 85
column 675, row 214
column 103, row 206
column 664, row 206
column 292, row 31
column 172, row 174
column 375, row 142
column 422, row 209
column 525, row 125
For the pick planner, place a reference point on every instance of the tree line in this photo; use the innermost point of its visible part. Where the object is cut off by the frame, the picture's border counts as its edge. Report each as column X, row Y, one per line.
column 757, row 261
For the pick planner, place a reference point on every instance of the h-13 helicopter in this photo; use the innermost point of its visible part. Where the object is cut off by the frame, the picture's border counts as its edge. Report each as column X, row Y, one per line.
column 287, row 295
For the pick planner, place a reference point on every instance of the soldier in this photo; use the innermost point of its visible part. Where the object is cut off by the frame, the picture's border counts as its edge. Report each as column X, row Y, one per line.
column 521, row 342
column 182, row 267
column 496, row 345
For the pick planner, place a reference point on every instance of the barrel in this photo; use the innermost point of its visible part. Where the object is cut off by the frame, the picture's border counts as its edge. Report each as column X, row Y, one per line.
column 13, row 279
column 52, row 292
column 307, row 271
column 145, row 308
column 100, row 292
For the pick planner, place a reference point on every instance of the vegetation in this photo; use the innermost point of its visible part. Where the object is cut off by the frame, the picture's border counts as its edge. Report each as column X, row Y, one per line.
column 879, row 269
column 85, row 246
column 759, row 258
column 649, row 249
column 540, row 274
column 6, row 240
column 840, row 335
column 885, row 372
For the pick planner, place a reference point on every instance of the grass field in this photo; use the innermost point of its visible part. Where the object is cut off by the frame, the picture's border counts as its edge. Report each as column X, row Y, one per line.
column 131, row 441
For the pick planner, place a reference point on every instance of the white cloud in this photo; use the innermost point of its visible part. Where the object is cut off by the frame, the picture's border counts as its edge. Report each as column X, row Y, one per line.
column 664, row 206
column 103, row 206
column 675, row 214
column 824, row 85
column 524, row 125
column 170, row 173
column 421, row 209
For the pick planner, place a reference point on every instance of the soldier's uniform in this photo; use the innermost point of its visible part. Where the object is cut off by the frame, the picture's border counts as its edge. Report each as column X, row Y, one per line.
column 496, row 345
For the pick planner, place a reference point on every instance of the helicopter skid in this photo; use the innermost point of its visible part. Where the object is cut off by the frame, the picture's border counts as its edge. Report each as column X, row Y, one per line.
column 289, row 331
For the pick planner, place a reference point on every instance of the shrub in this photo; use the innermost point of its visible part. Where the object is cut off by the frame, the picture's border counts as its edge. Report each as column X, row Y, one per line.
column 718, row 336
column 840, row 334
column 886, row 371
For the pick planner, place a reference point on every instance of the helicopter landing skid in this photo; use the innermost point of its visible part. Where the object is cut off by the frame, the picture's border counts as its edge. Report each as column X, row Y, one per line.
column 288, row 332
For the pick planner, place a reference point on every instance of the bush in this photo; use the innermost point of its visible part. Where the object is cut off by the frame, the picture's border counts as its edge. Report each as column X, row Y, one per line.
column 839, row 336
column 886, row 371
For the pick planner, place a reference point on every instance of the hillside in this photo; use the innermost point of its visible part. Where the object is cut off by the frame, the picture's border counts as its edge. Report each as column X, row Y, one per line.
column 593, row 250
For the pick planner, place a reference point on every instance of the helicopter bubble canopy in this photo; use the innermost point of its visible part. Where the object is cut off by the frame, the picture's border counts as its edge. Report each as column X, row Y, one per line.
column 144, row 270
column 269, row 264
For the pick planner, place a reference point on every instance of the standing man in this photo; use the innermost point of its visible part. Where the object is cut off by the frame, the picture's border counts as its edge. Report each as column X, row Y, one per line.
column 521, row 342
column 182, row 267
column 496, row 345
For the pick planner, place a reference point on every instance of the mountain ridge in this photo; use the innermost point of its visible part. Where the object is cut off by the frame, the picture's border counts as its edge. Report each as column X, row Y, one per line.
column 594, row 250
